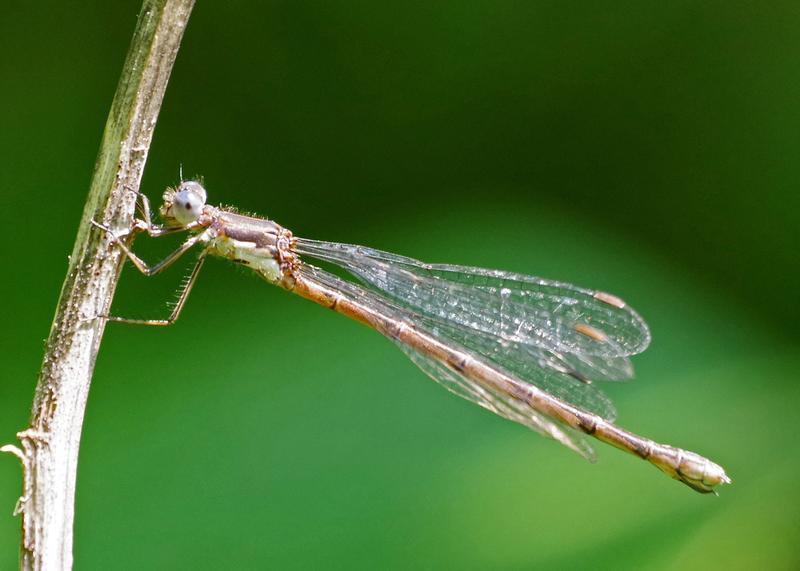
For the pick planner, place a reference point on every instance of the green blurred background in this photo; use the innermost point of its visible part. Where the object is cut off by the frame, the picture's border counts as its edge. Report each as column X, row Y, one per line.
column 650, row 150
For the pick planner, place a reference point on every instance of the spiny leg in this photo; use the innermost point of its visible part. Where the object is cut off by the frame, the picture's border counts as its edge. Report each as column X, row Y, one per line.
column 176, row 311
column 140, row 264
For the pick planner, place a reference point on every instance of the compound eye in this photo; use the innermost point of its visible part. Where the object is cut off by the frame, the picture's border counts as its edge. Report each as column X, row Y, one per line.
column 187, row 206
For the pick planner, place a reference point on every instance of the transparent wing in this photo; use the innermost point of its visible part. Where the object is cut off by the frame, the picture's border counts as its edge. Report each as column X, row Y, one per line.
column 480, row 317
column 500, row 404
column 596, row 328
column 547, row 370
column 485, row 396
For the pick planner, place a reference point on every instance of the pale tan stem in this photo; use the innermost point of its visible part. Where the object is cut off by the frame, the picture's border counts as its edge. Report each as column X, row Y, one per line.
column 49, row 451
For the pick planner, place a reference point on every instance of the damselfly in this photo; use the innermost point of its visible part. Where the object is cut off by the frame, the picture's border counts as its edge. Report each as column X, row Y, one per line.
column 522, row 347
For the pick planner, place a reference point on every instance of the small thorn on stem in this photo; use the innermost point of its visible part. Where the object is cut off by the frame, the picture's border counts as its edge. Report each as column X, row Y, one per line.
column 11, row 449
column 19, row 507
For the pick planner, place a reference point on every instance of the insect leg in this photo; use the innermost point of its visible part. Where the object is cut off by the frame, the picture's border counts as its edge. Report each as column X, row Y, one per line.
column 140, row 264
column 176, row 310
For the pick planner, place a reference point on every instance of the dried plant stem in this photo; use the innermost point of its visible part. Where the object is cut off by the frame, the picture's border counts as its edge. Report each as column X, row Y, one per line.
column 49, row 450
